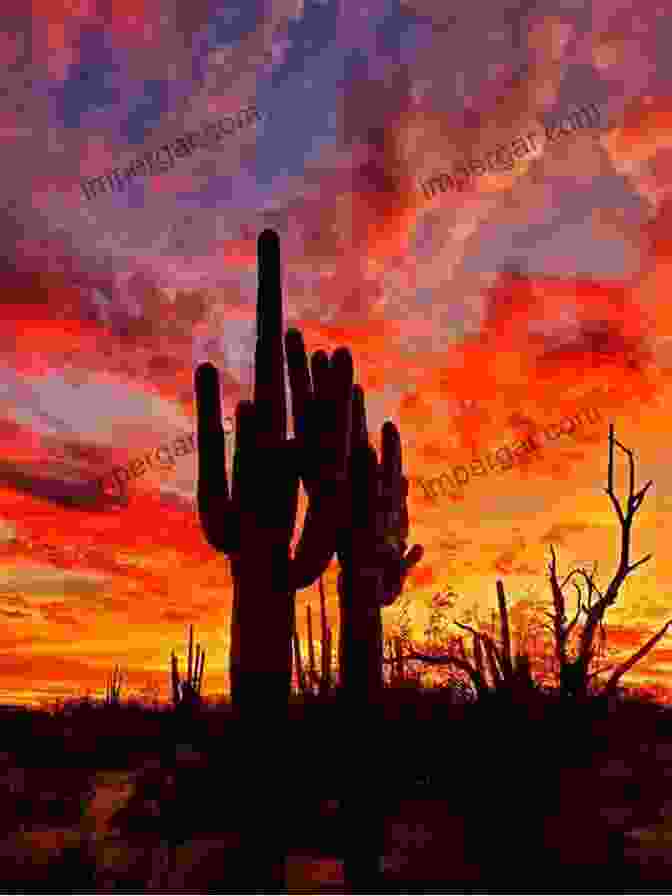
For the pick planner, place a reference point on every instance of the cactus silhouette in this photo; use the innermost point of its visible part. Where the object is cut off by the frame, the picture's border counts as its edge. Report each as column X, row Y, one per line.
column 322, row 681
column 372, row 553
column 113, row 688
column 188, row 692
column 374, row 564
column 253, row 524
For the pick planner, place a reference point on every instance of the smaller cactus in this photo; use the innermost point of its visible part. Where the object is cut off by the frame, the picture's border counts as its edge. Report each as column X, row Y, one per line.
column 188, row 692
column 308, row 681
column 113, row 688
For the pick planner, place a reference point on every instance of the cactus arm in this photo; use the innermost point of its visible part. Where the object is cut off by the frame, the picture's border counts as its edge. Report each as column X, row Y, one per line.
column 324, row 625
column 322, row 419
column 300, row 677
column 325, row 642
column 175, row 678
column 326, row 663
column 312, row 674
column 492, row 662
column 322, row 413
column 200, row 674
column 219, row 522
column 196, row 662
column 478, row 656
column 507, row 666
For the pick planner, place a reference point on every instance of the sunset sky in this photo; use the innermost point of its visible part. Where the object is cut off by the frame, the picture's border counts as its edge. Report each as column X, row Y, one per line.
column 474, row 318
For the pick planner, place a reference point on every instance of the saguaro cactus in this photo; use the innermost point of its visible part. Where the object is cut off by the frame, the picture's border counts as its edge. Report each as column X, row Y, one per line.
column 254, row 523
column 372, row 553
column 374, row 565
column 113, row 688
column 188, row 692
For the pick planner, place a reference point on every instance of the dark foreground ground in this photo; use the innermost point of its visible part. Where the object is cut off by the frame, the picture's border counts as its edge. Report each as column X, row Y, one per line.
column 477, row 799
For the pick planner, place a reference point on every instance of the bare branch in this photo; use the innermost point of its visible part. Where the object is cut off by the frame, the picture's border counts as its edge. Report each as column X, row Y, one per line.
column 610, row 477
column 639, row 563
column 600, row 671
column 569, row 576
column 571, row 625
column 636, row 657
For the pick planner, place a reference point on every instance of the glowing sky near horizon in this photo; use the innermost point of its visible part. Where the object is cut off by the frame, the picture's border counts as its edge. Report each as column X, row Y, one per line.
column 537, row 292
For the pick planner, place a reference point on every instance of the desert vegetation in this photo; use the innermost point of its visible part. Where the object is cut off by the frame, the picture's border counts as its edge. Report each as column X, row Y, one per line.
column 339, row 752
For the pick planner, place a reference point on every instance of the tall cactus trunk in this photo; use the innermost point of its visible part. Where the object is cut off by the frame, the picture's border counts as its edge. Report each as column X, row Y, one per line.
column 253, row 523
column 371, row 549
column 261, row 681
column 360, row 641
column 362, row 684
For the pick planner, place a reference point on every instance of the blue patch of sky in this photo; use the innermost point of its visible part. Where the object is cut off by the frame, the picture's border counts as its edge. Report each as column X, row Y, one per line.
column 89, row 86
column 227, row 24
column 151, row 103
column 310, row 119
column 402, row 33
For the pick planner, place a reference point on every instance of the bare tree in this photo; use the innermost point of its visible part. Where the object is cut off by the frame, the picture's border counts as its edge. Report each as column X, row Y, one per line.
column 575, row 670
column 577, row 645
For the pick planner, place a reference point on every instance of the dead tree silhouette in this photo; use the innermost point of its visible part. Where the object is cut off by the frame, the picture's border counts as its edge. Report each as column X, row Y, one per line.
column 574, row 664
column 575, row 671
